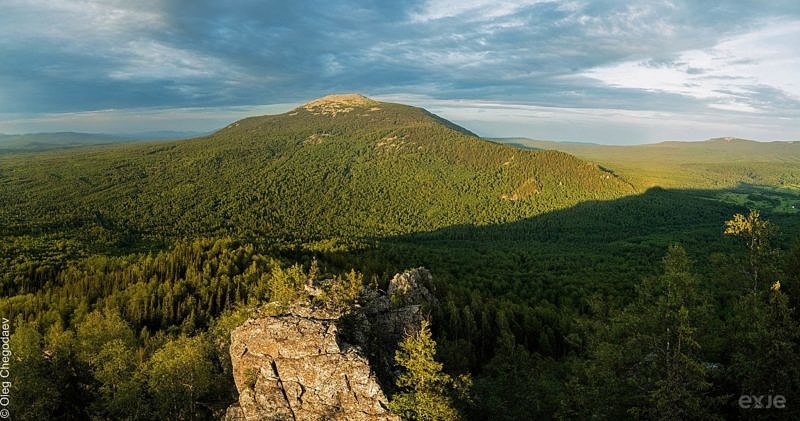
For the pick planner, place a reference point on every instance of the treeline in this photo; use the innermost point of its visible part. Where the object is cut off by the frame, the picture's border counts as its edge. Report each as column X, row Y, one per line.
column 188, row 284
column 145, row 335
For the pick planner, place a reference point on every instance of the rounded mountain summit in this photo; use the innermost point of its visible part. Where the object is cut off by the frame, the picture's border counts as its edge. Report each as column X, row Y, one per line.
column 339, row 166
column 355, row 106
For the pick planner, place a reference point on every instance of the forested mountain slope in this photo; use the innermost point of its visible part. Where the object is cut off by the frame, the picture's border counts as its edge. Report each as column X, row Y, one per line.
column 123, row 268
column 714, row 163
column 342, row 165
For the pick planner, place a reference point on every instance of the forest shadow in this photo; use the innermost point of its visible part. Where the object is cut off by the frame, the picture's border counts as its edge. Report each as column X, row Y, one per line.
column 601, row 246
column 676, row 214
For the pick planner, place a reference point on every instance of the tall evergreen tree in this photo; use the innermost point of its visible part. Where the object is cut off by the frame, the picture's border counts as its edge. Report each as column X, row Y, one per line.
column 757, row 235
column 424, row 387
column 765, row 334
column 766, row 360
column 647, row 362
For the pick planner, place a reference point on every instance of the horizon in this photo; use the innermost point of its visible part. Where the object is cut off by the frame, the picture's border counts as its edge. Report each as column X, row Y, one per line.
column 605, row 72
column 285, row 108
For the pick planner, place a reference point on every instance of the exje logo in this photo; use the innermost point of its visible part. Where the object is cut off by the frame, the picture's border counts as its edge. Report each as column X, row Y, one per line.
column 762, row 402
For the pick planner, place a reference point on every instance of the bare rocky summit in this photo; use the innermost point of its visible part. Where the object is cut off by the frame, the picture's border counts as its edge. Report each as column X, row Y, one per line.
column 332, row 105
column 313, row 364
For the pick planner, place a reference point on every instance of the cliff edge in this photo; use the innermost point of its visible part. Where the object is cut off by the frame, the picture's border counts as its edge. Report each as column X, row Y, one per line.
column 312, row 363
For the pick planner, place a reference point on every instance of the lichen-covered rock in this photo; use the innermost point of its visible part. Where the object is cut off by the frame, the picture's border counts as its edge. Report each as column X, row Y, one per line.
column 392, row 316
column 316, row 364
column 409, row 287
column 234, row 413
column 293, row 367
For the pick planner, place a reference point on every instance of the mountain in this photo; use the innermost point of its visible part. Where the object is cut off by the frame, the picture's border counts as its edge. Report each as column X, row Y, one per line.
column 125, row 269
column 339, row 166
column 714, row 163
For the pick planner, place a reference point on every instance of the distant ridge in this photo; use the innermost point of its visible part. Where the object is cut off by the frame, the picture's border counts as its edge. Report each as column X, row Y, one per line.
column 54, row 140
column 712, row 163
column 727, row 139
column 59, row 140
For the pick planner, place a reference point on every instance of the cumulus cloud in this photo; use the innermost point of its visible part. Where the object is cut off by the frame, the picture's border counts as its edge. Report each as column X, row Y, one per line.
column 603, row 125
column 729, row 75
column 67, row 56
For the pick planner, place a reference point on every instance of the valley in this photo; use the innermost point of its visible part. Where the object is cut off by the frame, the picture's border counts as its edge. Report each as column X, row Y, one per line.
column 427, row 210
column 544, row 255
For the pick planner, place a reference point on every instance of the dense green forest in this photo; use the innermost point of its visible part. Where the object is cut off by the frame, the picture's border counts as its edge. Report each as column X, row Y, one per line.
column 383, row 169
column 714, row 163
column 567, row 289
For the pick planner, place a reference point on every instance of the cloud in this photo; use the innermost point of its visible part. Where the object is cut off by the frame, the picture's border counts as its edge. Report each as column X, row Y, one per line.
column 66, row 56
column 603, row 125
column 728, row 76
column 474, row 10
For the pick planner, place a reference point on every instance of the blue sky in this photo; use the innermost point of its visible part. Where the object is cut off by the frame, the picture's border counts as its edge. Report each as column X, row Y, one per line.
column 603, row 71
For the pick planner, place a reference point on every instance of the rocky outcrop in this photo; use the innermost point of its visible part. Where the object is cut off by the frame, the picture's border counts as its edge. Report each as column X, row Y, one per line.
column 293, row 367
column 313, row 364
column 332, row 105
column 390, row 317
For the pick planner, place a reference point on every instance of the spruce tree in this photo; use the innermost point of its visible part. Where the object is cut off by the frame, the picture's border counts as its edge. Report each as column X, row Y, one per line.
column 424, row 387
column 647, row 362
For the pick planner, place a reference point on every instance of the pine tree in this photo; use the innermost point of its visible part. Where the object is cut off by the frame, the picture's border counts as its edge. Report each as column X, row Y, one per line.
column 647, row 361
column 766, row 360
column 424, row 388
column 678, row 393
column 757, row 235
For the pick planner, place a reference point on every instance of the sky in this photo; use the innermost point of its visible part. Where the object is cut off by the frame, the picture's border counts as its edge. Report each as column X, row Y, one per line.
column 618, row 72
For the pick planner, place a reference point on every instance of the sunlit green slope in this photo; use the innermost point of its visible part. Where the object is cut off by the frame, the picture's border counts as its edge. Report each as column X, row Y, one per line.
column 715, row 163
column 340, row 166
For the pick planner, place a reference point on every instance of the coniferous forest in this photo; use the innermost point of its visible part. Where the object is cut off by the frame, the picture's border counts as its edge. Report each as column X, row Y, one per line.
column 567, row 289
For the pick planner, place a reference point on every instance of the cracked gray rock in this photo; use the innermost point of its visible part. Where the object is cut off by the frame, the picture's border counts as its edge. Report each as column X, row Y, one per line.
column 292, row 368
column 300, row 366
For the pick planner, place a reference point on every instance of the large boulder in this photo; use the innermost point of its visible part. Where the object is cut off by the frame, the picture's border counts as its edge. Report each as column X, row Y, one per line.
column 315, row 364
column 411, row 287
column 389, row 317
column 293, row 367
